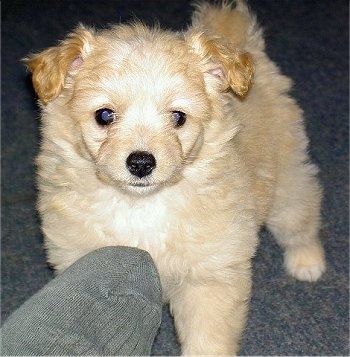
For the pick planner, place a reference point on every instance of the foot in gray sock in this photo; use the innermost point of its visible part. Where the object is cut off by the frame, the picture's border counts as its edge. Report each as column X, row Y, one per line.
column 107, row 303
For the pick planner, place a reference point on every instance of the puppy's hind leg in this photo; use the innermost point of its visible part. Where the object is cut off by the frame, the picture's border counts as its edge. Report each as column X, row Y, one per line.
column 294, row 221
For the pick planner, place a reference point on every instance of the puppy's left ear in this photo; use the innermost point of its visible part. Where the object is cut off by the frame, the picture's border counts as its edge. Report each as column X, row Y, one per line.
column 223, row 60
column 51, row 67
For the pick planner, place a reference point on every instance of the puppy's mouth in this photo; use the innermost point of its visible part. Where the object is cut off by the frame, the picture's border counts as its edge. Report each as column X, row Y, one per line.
column 131, row 185
column 141, row 184
column 141, row 187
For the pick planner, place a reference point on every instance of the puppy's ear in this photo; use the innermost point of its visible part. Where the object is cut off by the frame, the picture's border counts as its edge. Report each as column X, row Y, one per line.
column 233, row 67
column 50, row 67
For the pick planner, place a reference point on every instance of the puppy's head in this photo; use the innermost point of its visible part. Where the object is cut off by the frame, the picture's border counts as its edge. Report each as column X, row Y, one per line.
column 139, row 100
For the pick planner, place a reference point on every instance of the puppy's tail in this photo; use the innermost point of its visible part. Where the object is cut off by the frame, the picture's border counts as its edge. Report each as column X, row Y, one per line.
column 231, row 20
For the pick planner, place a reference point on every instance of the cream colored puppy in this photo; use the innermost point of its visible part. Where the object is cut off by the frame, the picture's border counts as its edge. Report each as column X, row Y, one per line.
column 169, row 142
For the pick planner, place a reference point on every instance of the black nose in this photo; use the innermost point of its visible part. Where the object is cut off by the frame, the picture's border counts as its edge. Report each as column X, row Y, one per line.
column 140, row 163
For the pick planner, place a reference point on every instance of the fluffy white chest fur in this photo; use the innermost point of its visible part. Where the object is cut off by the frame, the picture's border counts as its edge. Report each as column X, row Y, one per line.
column 139, row 223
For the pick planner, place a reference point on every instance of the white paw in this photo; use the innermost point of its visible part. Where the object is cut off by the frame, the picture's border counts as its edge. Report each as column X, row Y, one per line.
column 305, row 263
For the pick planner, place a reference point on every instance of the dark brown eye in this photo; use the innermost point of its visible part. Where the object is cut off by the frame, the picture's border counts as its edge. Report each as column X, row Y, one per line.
column 104, row 116
column 179, row 118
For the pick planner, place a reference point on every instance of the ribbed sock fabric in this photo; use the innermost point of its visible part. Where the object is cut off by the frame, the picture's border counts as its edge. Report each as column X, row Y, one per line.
column 107, row 303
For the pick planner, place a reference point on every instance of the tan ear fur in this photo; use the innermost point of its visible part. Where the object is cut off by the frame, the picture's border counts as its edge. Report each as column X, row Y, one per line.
column 237, row 67
column 50, row 67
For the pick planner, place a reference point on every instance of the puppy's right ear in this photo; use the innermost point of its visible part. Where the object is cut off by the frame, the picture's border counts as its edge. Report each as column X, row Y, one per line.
column 50, row 68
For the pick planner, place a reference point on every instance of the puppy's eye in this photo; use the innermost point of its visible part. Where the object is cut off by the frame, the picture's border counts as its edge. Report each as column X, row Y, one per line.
column 179, row 118
column 104, row 116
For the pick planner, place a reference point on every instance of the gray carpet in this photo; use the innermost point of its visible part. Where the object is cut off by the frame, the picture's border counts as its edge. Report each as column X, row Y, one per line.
column 309, row 41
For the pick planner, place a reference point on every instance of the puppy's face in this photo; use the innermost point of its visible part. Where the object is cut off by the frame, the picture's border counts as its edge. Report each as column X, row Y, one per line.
column 140, row 99
column 141, row 112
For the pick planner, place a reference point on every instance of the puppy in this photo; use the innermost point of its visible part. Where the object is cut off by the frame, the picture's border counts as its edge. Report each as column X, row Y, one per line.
column 182, row 144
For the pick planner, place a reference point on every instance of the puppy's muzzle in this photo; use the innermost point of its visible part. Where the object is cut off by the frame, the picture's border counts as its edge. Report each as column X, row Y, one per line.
column 140, row 163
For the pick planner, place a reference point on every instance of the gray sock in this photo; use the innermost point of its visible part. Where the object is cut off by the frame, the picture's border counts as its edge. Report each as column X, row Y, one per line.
column 107, row 303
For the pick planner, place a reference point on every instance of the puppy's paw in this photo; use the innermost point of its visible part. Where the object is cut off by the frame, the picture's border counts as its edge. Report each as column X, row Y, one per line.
column 306, row 263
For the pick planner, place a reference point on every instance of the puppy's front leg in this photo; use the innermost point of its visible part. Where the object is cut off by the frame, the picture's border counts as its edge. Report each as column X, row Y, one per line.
column 210, row 317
